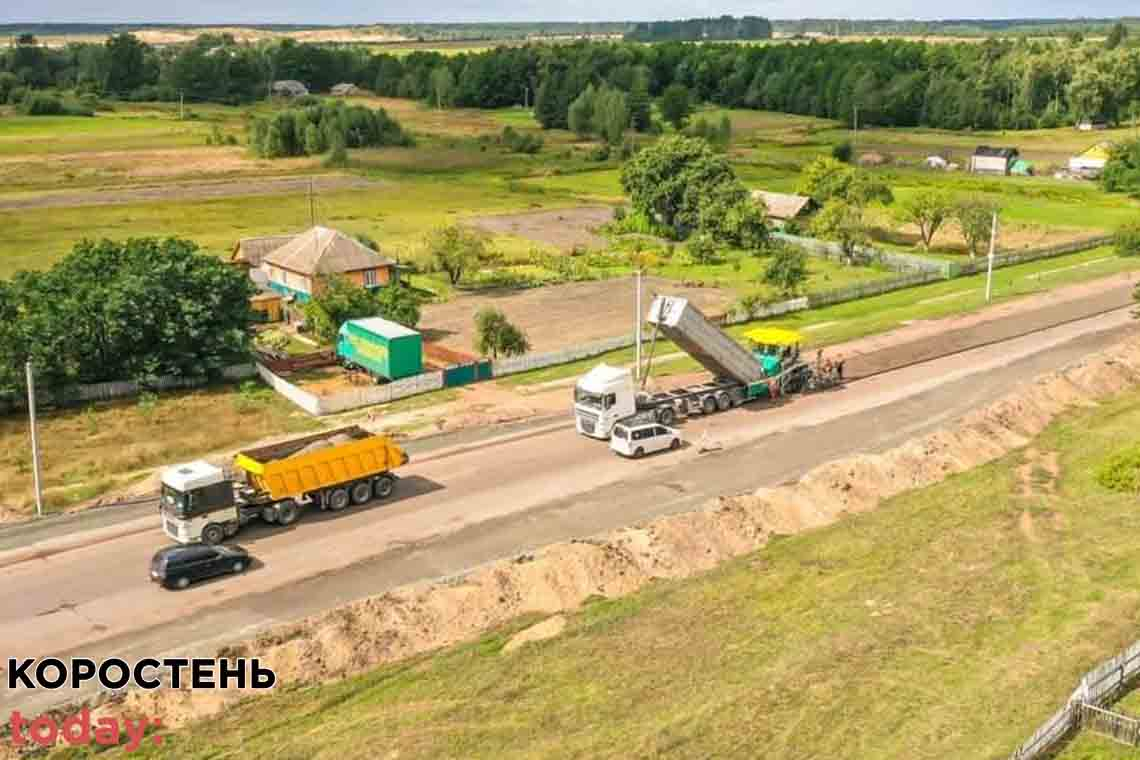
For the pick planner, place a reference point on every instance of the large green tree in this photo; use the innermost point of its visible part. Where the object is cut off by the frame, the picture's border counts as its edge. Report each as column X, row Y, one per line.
column 1122, row 170
column 455, row 251
column 827, row 178
column 133, row 310
column 496, row 336
column 668, row 181
column 928, row 210
column 676, row 105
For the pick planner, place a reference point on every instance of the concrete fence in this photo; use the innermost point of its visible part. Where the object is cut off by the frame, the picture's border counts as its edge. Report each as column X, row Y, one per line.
column 351, row 398
column 80, row 394
column 1098, row 687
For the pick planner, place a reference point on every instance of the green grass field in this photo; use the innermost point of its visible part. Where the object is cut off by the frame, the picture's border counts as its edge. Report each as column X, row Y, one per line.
column 948, row 623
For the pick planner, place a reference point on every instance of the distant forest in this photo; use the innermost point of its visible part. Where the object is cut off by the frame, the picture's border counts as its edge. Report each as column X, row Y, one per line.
column 695, row 29
column 525, row 29
column 1006, row 84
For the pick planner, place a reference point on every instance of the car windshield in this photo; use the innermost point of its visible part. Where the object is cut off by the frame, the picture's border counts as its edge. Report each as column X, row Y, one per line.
column 620, row 432
column 586, row 398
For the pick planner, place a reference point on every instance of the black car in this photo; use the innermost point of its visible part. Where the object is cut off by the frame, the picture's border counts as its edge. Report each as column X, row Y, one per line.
column 180, row 565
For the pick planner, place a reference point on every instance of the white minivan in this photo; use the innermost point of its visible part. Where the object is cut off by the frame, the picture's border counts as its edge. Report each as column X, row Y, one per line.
column 637, row 440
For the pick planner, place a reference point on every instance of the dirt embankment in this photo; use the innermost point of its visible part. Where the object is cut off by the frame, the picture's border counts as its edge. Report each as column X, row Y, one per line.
column 562, row 576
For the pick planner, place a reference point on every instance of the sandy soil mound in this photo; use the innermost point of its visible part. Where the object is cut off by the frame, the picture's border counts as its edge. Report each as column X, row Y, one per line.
column 547, row 629
column 562, row 576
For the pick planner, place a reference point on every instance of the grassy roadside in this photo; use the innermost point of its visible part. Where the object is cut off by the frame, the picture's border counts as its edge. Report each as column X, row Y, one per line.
column 947, row 623
column 857, row 319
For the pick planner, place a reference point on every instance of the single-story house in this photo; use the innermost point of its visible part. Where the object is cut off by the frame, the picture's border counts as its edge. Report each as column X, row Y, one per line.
column 248, row 252
column 344, row 89
column 935, row 162
column 1088, row 125
column 289, row 88
column 1021, row 168
column 299, row 267
column 783, row 207
column 987, row 160
column 1090, row 162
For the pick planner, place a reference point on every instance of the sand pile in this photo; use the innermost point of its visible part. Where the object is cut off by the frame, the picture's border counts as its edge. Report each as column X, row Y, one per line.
column 562, row 576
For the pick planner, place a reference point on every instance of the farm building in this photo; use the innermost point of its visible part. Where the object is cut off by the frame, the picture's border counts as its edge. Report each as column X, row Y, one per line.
column 987, row 160
column 1088, row 125
column 783, row 206
column 344, row 89
column 249, row 252
column 290, row 88
column 1090, row 162
column 297, row 268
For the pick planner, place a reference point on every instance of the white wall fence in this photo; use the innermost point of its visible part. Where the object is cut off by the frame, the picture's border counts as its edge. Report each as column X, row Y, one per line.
column 351, row 398
column 1098, row 687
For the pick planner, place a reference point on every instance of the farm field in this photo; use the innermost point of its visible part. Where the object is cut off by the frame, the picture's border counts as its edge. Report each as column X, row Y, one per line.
column 982, row 583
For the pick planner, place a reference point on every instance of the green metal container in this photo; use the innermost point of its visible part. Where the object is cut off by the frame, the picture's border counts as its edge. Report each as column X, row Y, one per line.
column 383, row 348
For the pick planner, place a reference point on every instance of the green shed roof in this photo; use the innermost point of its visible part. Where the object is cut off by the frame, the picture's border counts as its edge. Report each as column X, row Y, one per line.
column 383, row 327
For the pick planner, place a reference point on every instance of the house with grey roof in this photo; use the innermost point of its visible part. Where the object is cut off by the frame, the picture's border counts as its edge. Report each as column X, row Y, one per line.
column 301, row 267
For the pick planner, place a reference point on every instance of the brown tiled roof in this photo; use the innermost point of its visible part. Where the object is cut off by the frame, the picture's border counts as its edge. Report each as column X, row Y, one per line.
column 321, row 250
column 251, row 251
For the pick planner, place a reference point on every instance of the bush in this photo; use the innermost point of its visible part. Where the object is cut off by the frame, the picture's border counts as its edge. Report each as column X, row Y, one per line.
column 520, row 142
column 1127, row 240
column 599, row 152
column 843, row 151
column 1121, row 471
column 42, row 104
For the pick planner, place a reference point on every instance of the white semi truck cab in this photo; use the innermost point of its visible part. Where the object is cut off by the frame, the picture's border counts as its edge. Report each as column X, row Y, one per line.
column 603, row 396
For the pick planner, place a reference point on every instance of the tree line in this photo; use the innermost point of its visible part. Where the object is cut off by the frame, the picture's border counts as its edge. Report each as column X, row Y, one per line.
column 1006, row 84
column 320, row 127
column 694, row 29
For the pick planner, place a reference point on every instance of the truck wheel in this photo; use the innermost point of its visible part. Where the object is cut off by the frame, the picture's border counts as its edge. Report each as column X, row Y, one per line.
column 213, row 534
column 383, row 487
column 269, row 515
column 666, row 415
column 361, row 492
column 286, row 513
column 723, row 401
column 708, row 405
column 338, row 499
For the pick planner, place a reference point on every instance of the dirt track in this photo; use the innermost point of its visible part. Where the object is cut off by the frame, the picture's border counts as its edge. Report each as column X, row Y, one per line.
column 185, row 191
column 565, row 228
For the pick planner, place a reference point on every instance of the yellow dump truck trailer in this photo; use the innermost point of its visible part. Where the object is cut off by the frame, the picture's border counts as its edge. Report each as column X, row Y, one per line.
column 330, row 470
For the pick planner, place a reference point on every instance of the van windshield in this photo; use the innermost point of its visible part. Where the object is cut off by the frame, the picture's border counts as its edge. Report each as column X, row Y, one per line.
column 620, row 432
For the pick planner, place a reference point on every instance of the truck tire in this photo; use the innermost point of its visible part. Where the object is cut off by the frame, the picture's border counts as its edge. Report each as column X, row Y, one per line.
column 708, row 405
column 723, row 401
column 383, row 486
column 666, row 415
column 213, row 533
column 269, row 514
column 337, row 499
column 361, row 492
column 286, row 513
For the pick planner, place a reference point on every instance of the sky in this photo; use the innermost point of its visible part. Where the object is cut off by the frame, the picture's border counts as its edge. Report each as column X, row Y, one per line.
column 367, row 12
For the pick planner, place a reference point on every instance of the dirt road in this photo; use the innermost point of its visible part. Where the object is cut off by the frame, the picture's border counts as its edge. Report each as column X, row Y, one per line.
column 184, row 191
column 457, row 512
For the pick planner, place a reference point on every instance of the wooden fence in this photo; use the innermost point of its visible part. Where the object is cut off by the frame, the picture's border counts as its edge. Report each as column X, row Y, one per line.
column 1098, row 687
column 1121, row 728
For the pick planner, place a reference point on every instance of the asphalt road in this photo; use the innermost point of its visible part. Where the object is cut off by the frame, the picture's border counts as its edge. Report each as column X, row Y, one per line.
column 456, row 512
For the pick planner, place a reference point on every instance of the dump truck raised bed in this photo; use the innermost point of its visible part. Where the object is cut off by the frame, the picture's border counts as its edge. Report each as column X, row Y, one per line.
column 384, row 349
column 607, row 395
column 330, row 470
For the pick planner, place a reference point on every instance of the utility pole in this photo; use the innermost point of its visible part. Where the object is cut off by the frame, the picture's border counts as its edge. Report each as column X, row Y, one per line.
column 35, row 442
column 181, row 107
column 990, row 263
column 312, row 212
column 637, row 327
column 526, row 97
column 855, row 138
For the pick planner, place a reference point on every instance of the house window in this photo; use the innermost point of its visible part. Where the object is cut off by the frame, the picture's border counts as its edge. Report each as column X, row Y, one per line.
column 370, row 279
